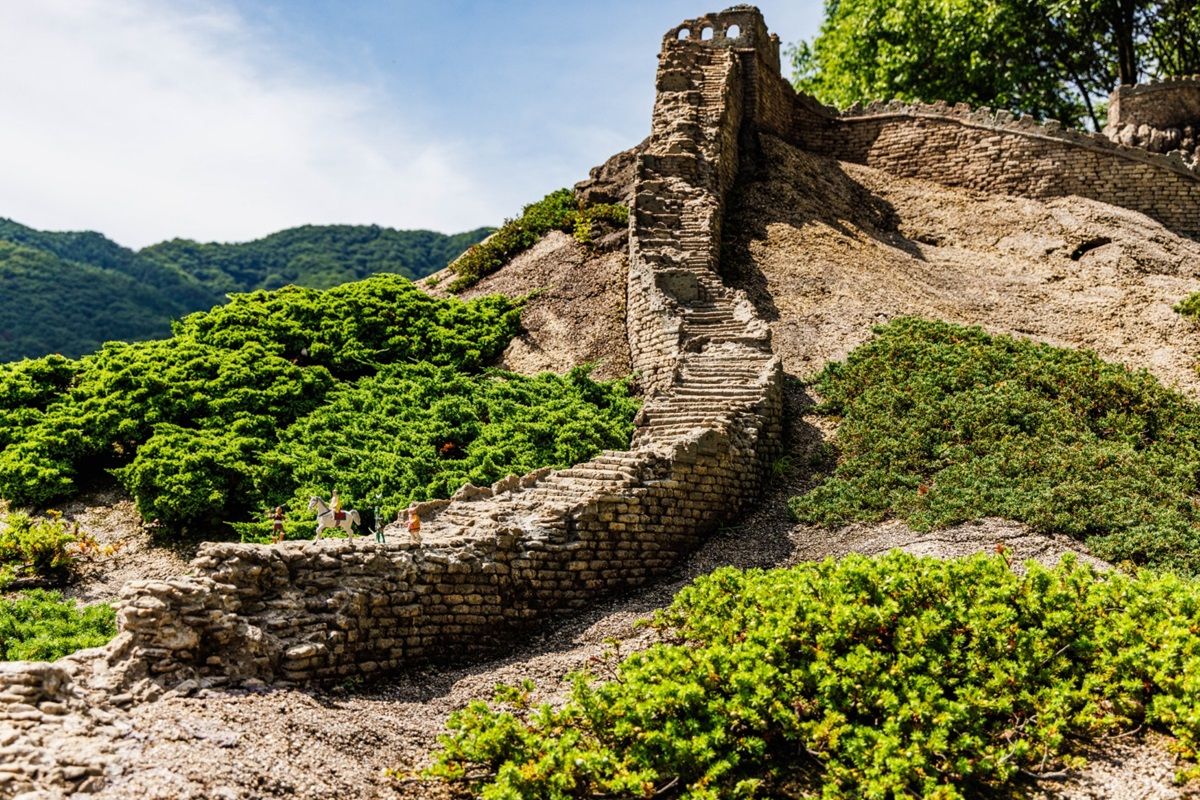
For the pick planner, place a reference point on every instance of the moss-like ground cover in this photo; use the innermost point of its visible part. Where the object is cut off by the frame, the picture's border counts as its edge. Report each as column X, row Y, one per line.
column 941, row 424
column 372, row 388
column 889, row 677
column 39, row 625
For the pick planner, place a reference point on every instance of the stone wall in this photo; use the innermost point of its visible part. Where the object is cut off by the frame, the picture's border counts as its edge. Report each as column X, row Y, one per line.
column 995, row 152
column 1160, row 117
column 493, row 559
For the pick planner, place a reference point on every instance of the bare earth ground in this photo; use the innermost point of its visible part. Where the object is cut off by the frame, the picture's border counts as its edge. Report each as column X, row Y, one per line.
column 825, row 267
column 577, row 313
column 108, row 516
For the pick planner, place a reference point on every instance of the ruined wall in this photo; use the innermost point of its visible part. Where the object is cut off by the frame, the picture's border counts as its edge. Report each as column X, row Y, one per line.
column 995, row 152
column 1160, row 117
column 492, row 559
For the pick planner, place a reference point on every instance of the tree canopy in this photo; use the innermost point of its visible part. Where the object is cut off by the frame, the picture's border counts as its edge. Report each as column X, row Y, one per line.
column 1051, row 59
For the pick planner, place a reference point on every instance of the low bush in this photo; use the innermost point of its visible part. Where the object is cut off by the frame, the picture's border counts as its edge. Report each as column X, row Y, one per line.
column 37, row 550
column 556, row 211
column 890, row 677
column 39, row 625
column 942, row 424
column 1189, row 307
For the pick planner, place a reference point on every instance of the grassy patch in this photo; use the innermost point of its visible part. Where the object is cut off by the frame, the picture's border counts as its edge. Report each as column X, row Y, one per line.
column 556, row 211
column 1189, row 307
column 942, row 424
column 36, row 549
column 889, row 677
column 39, row 625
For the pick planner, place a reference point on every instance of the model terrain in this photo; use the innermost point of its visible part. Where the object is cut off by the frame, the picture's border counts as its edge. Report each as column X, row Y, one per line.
column 927, row 329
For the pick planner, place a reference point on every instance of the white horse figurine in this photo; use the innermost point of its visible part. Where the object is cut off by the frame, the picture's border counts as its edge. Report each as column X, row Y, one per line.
column 326, row 517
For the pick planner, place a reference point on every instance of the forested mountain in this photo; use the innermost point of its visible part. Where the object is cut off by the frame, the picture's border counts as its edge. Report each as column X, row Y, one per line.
column 69, row 292
column 315, row 256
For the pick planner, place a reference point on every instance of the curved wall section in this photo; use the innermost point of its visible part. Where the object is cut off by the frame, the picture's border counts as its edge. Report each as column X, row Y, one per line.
column 493, row 559
column 996, row 152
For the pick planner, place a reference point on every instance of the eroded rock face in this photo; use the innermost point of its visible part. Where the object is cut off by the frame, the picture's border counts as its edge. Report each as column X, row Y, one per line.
column 612, row 181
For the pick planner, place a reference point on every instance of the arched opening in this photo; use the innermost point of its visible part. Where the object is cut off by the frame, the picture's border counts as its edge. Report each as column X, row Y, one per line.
column 684, row 33
column 733, row 32
column 706, row 33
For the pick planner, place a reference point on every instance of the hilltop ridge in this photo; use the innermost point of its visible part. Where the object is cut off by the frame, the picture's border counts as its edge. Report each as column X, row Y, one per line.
column 69, row 292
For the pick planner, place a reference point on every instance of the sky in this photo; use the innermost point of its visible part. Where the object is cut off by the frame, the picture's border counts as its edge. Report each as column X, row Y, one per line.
column 226, row 120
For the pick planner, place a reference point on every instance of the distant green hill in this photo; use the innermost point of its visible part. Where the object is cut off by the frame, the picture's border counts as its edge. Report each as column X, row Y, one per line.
column 69, row 292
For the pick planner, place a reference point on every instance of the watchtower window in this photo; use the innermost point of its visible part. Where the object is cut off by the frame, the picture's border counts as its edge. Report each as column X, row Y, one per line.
column 733, row 32
column 706, row 33
column 684, row 33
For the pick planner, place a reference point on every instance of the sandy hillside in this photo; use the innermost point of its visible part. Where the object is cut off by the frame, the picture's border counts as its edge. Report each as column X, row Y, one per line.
column 825, row 266
column 577, row 312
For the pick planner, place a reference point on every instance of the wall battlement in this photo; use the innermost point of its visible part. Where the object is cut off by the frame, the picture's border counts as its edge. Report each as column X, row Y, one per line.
column 1160, row 117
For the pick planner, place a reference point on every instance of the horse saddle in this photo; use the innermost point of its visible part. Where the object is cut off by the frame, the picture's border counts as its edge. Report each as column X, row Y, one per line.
column 339, row 516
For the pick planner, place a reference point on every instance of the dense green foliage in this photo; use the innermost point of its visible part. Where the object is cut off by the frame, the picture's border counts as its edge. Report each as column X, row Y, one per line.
column 371, row 387
column 315, row 256
column 432, row 429
column 943, row 424
column 41, row 626
column 34, row 549
column 556, row 211
column 1047, row 59
column 69, row 293
column 897, row 676
column 1189, row 307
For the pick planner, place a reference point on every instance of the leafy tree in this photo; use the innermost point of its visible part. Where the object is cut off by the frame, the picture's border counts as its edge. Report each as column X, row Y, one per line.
column 1047, row 59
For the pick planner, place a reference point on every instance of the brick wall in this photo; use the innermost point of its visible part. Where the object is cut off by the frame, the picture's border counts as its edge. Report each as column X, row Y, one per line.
column 995, row 152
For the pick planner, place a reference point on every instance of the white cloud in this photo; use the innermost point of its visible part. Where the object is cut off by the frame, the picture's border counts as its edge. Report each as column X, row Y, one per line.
column 145, row 120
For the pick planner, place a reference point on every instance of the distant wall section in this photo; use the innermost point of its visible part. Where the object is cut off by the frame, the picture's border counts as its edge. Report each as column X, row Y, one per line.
column 996, row 152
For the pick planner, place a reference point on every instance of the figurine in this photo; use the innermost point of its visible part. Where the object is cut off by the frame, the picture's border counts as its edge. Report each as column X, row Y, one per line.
column 277, row 524
column 327, row 517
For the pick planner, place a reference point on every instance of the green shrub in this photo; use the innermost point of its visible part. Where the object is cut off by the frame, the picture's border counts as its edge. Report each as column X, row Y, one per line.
column 943, row 424
column 281, row 395
column 41, row 626
column 1189, row 306
column 428, row 430
column 35, row 549
column 891, row 677
column 556, row 211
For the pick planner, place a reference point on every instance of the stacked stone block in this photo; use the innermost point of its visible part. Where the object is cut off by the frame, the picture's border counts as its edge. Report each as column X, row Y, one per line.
column 993, row 151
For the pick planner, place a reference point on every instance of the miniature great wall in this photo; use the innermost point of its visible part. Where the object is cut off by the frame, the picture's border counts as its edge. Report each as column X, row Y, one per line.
column 494, row 560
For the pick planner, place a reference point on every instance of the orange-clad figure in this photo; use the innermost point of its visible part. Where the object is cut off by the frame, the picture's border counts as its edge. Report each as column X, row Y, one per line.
column 335, row 503
column 414, row 526
column 277, row 523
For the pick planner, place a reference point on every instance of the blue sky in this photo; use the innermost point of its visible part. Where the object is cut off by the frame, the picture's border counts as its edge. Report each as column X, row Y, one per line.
column 225, row 120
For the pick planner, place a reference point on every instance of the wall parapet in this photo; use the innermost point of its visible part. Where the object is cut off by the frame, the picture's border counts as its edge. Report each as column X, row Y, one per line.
column 989, row 150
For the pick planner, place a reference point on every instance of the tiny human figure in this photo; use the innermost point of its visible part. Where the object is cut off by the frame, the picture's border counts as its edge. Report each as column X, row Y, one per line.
column 335, row 503
column 277, row 524
column 414, row 526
